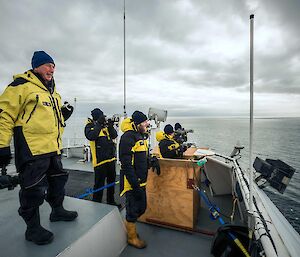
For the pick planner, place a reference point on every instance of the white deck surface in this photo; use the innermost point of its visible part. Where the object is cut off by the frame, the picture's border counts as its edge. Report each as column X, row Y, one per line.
column 98, row 230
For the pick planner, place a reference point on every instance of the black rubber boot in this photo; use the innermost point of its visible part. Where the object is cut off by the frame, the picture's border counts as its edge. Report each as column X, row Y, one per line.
column 39, row 235
column 60, row 214
column 35, row 232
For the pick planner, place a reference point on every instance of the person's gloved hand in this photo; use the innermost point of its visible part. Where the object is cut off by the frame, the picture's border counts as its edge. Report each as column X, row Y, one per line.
column 7, row 181
column 101, row 120
column 183, row 148
column 67, row 110
column 110, row 123
column 154, row 164
column 188, row 145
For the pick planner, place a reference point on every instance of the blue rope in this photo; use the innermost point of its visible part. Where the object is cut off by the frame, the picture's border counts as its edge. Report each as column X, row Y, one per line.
column 90, row 191
column 214, row 210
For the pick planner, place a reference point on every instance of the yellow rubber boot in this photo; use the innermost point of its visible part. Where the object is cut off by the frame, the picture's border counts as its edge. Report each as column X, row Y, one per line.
column 132, row 237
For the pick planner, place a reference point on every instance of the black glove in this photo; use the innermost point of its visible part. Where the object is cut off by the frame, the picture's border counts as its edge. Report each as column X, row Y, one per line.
column 5, row 160
column 181, row 150
column 7, row 181
column 188, row 145
column 101, row 120
column 67, row 110
column 154, row 164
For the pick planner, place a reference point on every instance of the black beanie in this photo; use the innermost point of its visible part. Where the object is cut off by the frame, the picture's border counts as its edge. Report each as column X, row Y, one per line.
column 39, row 58
column 96, row 113
column 177, row 126
column 138, row 117
column 168, row 129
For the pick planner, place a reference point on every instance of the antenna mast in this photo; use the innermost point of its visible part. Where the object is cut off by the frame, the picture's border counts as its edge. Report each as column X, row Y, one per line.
column 124, row 47
column 251, row 116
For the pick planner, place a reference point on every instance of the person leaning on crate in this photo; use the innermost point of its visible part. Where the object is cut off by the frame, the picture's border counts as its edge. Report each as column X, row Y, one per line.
column 168, row 146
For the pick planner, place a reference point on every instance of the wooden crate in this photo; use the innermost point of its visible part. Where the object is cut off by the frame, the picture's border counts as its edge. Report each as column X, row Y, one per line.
column 171, row 200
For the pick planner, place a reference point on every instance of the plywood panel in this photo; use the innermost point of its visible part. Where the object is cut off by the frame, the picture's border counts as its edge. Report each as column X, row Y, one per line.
column 174, row 173
column 166, row 208
column 169, row 200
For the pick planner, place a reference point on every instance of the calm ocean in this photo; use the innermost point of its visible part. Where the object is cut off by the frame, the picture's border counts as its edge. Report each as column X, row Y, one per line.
column 274, row 138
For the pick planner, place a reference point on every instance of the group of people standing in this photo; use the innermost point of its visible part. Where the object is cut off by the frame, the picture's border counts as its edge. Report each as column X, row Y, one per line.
column 133, row 155
column 31, row 111
column 171, row 141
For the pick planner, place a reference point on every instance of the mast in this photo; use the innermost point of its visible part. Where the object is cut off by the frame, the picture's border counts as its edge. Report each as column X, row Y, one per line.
column 75, row 119
column 251, row 117
column 124, row 75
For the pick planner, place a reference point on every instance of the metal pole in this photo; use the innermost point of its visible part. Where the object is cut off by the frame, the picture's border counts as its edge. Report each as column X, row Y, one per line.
column 124, row 47
column 75, row 119
column 251, row 117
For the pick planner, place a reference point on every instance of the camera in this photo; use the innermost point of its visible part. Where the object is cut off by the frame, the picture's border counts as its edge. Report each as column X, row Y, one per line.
column 114, row 120
column 181, row 135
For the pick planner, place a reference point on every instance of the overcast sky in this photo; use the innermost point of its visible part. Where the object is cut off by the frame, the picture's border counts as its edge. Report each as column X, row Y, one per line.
column 190, row 57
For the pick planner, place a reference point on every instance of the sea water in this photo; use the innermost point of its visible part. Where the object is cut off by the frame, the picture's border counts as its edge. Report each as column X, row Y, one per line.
column 273, row 138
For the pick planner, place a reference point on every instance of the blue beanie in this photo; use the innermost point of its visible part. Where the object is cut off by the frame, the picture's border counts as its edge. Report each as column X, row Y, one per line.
column 138, row 117
column 168, row 129
column 39, row 58
column 96, row 113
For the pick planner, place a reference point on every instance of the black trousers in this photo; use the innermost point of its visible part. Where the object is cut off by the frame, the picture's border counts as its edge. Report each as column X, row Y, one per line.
column 136, row 204
column 106, row 171
column 41, row 179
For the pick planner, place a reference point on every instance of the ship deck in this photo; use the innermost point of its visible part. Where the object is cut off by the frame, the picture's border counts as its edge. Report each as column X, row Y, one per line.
column 162, row 241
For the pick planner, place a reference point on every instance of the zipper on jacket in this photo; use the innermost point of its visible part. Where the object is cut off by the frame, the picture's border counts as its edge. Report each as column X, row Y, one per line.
column 23, row 114
column 36, row 103
column 60, row 114
column 57, row 119
column 53, row 107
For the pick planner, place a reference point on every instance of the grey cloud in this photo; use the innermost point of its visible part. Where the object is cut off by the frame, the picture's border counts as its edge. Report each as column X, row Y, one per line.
column 187, row 44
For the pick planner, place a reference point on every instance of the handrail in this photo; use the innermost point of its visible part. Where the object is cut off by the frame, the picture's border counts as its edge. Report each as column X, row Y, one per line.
column 285, row 237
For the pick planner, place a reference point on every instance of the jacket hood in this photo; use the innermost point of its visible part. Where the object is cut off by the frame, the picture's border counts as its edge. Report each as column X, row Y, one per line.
column 31, row 77
column 160, row 135
column 127, row 124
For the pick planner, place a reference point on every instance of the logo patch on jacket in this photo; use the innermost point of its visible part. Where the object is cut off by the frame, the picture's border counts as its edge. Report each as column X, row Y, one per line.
column 46, row 104
column 141, row 142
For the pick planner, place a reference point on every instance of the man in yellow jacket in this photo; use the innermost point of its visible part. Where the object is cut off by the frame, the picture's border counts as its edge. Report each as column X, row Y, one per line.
column 31, row 112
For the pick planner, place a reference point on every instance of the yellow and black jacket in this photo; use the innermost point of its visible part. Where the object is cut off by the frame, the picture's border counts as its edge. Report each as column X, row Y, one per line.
column 133, row 154
column 168, row 147
column 101, row 141
column 32, row 114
